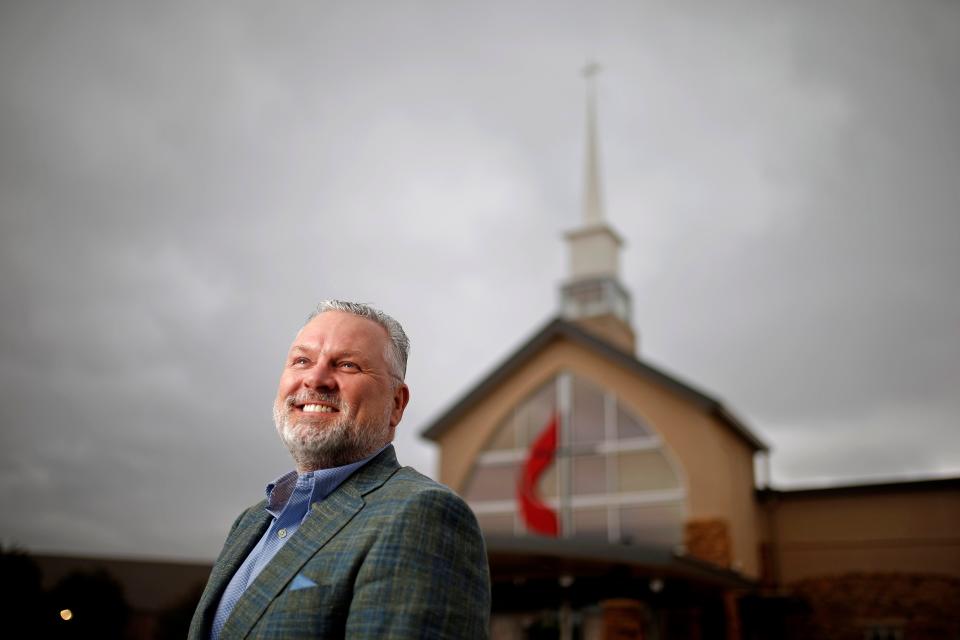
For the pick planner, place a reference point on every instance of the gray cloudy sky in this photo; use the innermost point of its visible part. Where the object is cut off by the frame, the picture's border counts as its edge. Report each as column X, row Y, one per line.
column 180, row 182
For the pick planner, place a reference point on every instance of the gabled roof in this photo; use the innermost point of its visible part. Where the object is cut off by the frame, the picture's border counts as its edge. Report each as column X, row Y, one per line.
column 561, row 329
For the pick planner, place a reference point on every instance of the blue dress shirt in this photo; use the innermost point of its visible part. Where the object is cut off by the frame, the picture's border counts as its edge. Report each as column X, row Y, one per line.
column 288, row 501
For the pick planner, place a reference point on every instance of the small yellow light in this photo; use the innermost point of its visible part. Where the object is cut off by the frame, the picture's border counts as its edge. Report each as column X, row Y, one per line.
column 66, row 614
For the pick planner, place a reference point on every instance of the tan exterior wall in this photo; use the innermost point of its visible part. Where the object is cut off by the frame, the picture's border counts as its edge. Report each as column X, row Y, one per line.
column 716, row 465
column 914, row 531
column 611, row 329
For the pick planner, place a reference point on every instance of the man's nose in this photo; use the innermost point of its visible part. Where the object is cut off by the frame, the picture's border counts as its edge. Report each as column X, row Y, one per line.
column 320, row 377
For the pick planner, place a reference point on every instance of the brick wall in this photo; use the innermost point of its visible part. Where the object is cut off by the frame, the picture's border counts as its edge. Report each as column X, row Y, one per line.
column 708, row 539
column 856, row 605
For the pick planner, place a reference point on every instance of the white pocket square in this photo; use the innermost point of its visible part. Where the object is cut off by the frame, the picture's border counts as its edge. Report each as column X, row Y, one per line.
column 301, row 582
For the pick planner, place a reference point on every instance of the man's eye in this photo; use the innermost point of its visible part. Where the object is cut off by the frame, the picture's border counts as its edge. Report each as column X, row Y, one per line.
column 349, row 366
column 301, row 361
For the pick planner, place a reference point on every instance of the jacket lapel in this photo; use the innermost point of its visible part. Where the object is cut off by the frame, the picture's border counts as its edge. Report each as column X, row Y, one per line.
column 248, row 530
column 326, row 519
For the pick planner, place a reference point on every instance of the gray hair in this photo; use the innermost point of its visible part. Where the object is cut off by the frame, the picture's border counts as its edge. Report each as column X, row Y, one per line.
column 399, row 347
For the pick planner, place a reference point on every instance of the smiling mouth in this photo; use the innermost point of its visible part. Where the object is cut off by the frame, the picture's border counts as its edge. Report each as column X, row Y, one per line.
column 317, row 408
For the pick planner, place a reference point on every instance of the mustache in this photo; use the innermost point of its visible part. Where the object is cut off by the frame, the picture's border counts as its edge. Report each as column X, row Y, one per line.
column 314, row 397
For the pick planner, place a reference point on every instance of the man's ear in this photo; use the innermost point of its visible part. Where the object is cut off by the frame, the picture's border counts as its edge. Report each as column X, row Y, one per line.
column 401, row 396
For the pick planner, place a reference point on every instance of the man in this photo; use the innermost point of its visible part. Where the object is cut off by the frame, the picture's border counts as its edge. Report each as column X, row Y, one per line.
column 350, row 545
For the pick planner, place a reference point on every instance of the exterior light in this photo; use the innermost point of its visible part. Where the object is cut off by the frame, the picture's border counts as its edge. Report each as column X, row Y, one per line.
column 66, row 614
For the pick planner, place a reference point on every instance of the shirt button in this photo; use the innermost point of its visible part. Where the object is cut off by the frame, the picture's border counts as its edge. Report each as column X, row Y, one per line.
column 282, row 533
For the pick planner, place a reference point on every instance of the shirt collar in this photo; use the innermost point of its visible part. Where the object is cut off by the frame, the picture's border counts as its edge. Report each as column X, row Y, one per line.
column 323, row 482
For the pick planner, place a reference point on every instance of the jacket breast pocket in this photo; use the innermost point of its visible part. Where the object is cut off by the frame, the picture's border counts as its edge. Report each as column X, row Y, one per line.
column 309, row 612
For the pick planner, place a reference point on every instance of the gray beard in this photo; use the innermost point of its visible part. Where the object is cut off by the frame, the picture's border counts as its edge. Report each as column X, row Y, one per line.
column 337, row 444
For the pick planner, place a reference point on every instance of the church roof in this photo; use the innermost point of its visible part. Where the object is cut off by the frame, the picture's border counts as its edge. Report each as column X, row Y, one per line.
column 914, row 485
column 561, row 329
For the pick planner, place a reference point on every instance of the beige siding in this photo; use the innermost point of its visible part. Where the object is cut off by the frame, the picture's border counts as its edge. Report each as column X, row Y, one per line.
column 888, row 531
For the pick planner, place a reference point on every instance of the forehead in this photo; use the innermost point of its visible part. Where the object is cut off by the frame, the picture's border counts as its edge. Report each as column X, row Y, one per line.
column 339, row 331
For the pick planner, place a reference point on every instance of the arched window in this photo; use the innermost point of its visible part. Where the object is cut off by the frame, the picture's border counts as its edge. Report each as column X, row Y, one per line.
column 610, row 477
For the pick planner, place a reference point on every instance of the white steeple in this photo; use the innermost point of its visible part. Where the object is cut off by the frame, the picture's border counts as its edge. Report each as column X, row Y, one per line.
column 592, row 194
column 593, row 295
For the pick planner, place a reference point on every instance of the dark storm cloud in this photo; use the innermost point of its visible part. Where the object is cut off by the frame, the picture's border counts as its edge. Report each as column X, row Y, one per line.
column 179, row 184
column 834, row 326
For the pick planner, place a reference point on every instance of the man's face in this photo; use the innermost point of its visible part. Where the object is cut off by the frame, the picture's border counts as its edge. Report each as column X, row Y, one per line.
column 338, row 400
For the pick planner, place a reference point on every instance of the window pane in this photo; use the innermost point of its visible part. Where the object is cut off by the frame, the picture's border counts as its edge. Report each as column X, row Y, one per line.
column 492, row 483
column 505, row 437
column 629, row 426
column 587, row 418
column 655, row 524
column 547, row 485
column 644, row 471
column 589, row 474
column 590, row 523
column 496, row 523
column 534, row 415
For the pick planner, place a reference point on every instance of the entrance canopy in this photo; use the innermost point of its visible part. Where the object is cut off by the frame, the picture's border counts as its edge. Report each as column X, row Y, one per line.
column 538, row 558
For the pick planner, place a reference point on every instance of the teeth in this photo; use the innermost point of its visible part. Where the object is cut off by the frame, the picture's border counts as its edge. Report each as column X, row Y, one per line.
column 317, row 408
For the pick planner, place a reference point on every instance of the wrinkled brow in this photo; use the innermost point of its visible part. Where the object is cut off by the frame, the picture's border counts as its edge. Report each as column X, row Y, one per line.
column 346, row 353
column 299, row 348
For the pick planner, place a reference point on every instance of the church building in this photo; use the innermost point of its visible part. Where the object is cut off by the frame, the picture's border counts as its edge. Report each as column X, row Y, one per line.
column 618, row 501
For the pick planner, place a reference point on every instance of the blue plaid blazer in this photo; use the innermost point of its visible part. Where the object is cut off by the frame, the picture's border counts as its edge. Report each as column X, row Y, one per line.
column 389, row 554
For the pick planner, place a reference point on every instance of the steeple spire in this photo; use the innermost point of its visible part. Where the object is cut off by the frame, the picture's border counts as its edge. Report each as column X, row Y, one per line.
column 592, row 194
column 593, row 296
